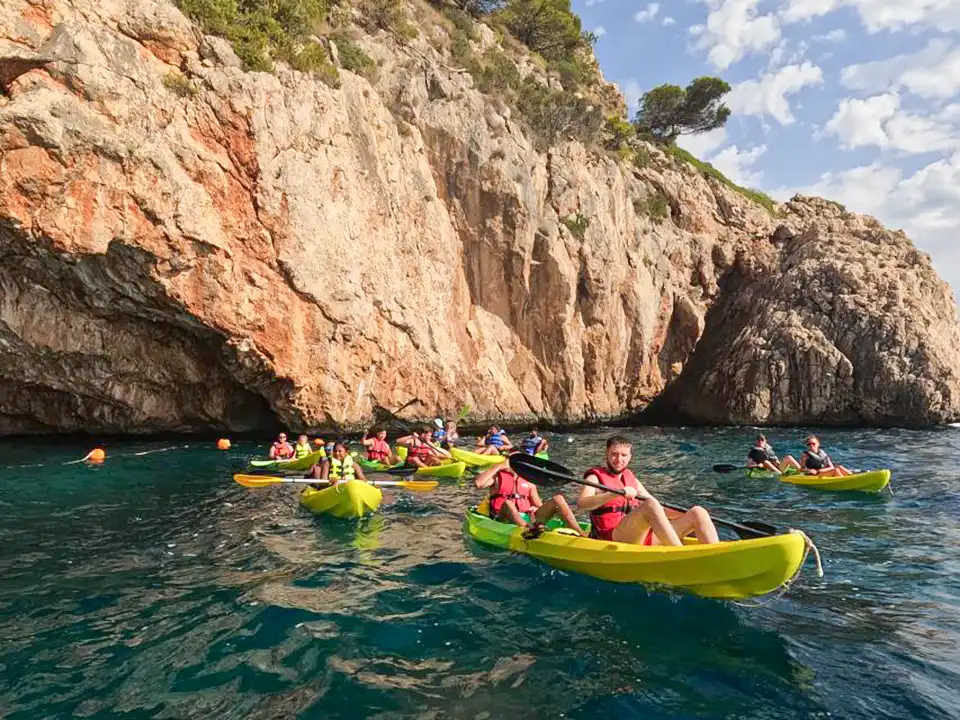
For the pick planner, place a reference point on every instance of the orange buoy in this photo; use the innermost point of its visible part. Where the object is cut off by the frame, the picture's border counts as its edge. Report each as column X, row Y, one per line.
column 223, row 444
column 97, row 455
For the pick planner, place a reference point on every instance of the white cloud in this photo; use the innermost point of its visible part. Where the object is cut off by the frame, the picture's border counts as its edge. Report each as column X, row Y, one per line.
column 733, row 30
column 780, row 57
column 836, row 35
column 600, row 31
column 767, row 95
column 797, row 10
column 704, row 144
column 933, row 72
column 881, row 121
column 859, row 123
column 877, row 15
column 669, row 21
column 591, row 3
column 736, row 164
column 649, row 14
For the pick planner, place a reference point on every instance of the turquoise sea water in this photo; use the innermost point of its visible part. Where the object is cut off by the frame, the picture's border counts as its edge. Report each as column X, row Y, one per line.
column 154, row 586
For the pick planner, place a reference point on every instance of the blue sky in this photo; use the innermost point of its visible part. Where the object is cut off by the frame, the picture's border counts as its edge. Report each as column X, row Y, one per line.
column 854, row 100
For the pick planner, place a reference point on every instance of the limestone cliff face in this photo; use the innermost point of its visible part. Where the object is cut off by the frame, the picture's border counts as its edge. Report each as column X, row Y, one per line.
column 269, row 250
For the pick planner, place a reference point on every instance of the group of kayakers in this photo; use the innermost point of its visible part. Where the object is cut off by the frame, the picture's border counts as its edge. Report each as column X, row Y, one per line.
column 627, row 512
column 425, row 447
column 632, row 517
column 813, row 461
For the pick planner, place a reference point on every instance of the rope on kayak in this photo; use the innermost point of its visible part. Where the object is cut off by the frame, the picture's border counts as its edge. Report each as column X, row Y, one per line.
column 779, row 592
column 809, row 546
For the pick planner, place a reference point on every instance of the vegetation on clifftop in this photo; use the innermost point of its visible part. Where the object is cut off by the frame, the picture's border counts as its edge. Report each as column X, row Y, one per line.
column 559, row 96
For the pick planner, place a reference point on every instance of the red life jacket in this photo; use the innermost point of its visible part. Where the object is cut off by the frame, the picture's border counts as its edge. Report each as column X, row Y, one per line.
column 420, row 450
column 510, row 487
column 284, row 450
column 379, row 450
column 605, row 518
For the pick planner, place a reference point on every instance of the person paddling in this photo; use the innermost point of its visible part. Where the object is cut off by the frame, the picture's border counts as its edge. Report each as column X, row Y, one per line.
column 637, row 518
column 378, row 450
column 420, row 451
column 815, row 461
column 494, row 442
column 337, row 468
column 513, row 499
column 302, row 448
column 281, row 449
column 534, row 444
column 761, row 455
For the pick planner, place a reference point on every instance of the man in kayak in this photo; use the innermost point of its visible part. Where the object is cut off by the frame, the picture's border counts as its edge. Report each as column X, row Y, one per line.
column 637, row 518
column 534, row 444
column 815, row 461
column 513, row 499
column 337, row 468
column 302, row 448
column 281, row 449
column 761, row 455
column 378, row 450
column 495, row 442
column 420, row 451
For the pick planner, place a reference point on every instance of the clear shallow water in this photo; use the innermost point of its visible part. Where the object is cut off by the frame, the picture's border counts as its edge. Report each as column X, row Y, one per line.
column 154, row 586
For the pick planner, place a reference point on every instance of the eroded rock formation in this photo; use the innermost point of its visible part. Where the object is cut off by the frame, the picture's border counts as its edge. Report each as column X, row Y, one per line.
column 264, row 249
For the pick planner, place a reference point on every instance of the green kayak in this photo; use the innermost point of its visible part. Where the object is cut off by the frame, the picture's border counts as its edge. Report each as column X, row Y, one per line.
column 304, row 463
column 447, row 468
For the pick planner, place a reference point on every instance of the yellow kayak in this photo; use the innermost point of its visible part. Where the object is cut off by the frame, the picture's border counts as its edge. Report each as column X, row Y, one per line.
column 447, row 470
column 476, row 459
column 728, row 570
column 350, row 499
column 872, row 481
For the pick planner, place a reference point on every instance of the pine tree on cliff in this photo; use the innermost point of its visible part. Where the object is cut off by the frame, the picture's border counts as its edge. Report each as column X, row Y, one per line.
column 668, row 111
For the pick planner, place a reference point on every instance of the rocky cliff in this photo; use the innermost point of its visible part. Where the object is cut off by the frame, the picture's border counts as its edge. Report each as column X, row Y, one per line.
column 187, row 246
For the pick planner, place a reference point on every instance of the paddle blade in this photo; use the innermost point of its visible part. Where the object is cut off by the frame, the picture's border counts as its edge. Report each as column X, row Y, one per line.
column 256, row 481
column 419, row 485
column 723, row 468
column 540, row 471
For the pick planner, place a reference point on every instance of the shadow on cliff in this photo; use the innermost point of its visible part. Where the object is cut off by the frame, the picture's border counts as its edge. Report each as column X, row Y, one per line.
column 93, row 343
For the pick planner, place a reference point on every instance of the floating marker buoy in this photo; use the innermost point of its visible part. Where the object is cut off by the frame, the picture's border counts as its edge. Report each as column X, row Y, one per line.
column 97, row 455
column 223, row 444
